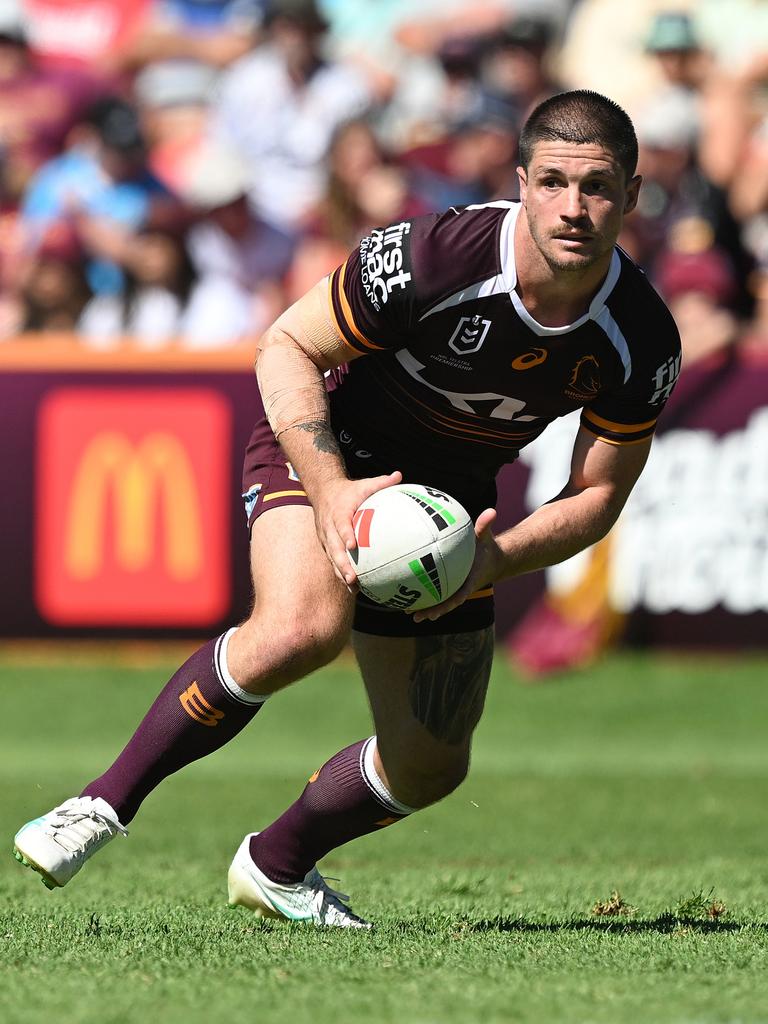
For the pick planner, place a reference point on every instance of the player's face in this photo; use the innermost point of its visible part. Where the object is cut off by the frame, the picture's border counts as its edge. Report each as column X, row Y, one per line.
column 575, row 199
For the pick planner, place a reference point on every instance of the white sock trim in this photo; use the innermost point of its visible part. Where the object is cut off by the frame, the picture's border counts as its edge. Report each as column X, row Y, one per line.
column 374, row 781
column 225, row 676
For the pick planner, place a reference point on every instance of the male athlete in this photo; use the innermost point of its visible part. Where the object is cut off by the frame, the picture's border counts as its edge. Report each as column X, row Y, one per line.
column 454, row 339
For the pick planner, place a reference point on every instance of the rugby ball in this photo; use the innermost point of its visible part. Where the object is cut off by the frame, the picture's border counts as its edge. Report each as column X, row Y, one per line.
column 415, row 546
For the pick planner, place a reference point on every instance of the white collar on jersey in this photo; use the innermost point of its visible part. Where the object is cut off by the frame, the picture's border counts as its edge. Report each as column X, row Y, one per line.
column 507, row 279
column 596, row 306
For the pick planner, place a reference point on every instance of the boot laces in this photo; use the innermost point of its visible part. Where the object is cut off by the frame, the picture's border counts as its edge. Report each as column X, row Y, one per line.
column 76, row 830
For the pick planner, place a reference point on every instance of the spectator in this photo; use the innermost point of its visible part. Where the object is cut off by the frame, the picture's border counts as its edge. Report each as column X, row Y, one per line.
column 699, row 284
column 673, row 43
column 366, row 188
column 151, row 308
column 475, row 164
column 38, row 105
column 516, row 67
column 675, row 188
column 173, row 99
column 101, row 188
column 603, row 50
column 674, row 47
column 294, row 102
column 240, row 260
column 54, row 290
column 214, row 33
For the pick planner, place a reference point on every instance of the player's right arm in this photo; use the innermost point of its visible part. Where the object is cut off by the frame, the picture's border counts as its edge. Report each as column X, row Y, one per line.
column 291, row 359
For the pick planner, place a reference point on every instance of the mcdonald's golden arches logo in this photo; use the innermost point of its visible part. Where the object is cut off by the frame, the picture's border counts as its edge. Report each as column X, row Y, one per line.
column 156, row 468
column 132, row 507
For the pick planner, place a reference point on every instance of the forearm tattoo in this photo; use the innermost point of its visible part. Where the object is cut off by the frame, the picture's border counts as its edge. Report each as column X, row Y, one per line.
column 448, row 681
column 325, row 440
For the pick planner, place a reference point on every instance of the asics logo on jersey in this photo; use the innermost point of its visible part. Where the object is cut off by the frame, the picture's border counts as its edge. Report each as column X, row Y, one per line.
column 469, row 335
column 530, row 359
column 382, row 259
column 197, row 707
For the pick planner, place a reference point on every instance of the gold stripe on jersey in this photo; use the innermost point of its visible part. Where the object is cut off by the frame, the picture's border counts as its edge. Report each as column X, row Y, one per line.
column 343, row 315
column 617, row 433
column 485, row 592
column 615, row 428
column 284, row 494
column 613, row 441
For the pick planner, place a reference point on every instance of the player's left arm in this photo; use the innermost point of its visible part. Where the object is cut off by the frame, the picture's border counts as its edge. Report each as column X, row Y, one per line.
column 601, row 479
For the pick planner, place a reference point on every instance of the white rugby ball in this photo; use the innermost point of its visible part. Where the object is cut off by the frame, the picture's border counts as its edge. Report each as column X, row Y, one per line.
column 415, row 546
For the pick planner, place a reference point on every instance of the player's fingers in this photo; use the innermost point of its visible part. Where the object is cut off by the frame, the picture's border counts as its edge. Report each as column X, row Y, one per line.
column 438, row 610
column 466, row 590
column 364, row 489
column 370, row 485
column 337, row 551
column 484, row 524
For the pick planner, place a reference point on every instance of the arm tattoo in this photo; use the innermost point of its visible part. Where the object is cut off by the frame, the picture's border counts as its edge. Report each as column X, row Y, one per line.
column 325, row 440
column 448, row 680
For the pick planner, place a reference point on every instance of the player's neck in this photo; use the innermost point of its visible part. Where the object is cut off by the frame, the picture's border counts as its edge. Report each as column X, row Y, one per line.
column 554, row 298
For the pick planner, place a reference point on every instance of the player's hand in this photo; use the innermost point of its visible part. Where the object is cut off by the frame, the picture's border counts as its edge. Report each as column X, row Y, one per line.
column 487, row 567
column 333, row 520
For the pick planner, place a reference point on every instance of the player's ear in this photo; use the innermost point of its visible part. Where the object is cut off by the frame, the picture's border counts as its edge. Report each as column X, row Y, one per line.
column 522, row 177
column 633, row 190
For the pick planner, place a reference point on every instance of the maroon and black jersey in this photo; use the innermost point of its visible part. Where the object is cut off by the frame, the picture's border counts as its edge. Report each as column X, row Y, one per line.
column 462, row 373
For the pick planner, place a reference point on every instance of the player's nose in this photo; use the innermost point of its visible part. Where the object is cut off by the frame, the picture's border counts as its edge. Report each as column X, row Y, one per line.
column 573, row 207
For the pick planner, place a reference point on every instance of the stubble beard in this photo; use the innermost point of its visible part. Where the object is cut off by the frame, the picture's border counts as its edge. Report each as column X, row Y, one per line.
column 582, row 262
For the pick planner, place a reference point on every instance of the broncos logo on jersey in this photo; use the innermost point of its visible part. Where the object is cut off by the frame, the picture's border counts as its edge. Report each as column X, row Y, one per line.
column 585, row 380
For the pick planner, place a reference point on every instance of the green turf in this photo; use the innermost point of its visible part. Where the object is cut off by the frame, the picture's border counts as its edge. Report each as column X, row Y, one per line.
column 646, row 776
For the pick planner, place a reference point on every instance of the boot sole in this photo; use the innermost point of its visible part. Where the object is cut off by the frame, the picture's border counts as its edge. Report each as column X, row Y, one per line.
column 48, row 880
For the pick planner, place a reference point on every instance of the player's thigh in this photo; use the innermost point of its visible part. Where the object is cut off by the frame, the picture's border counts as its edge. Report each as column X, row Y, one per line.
column 427, row 695
column 301, row 613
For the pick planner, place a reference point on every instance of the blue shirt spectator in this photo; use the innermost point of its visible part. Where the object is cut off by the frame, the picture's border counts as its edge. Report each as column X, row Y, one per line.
column 100, row 185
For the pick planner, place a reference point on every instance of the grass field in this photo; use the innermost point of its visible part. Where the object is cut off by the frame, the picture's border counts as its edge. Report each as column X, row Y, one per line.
column 645, row 776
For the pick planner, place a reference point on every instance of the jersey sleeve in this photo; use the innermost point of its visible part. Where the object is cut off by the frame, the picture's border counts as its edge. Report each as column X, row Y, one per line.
column 400, row 272
column 628, row 413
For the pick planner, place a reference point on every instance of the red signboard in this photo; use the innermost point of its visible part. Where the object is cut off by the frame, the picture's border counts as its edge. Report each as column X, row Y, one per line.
column 132, row 506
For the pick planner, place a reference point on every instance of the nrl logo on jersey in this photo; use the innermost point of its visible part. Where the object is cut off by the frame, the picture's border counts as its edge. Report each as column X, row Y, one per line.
column 469, row 335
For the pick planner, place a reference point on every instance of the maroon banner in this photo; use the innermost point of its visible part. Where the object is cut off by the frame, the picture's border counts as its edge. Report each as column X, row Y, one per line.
column 122, row 512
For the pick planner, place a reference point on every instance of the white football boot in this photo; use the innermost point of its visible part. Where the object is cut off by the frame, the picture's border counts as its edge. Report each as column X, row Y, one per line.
column 312, row 900
column 57, row 845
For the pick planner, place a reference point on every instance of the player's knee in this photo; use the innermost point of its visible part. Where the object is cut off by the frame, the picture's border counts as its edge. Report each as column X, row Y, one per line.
column 421, row 785
column 316, row 640
column 284, row 645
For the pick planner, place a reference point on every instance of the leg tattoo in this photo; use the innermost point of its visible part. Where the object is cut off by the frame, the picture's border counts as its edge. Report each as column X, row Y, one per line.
column 448, row 680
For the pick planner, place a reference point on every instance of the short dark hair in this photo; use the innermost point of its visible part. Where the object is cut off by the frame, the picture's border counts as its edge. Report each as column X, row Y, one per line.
column 581, row 116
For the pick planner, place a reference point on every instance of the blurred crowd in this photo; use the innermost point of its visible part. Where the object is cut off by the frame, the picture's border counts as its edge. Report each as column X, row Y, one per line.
column 175, row 172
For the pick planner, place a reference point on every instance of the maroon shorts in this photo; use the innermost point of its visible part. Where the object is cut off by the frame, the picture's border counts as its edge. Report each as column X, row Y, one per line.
column 271, row 482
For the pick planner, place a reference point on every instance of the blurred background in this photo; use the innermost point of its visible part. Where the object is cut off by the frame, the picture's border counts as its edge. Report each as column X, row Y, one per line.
column 173, row 174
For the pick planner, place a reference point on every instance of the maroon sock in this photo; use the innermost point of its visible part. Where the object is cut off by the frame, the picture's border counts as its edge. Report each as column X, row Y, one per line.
column 342, row 801
column 200, row 710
